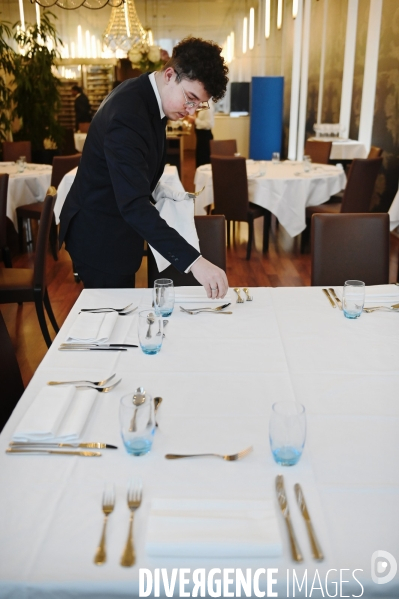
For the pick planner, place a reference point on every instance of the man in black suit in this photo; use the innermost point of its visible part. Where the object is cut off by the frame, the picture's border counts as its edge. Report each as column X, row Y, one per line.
column 108, row 214
column 82, row 106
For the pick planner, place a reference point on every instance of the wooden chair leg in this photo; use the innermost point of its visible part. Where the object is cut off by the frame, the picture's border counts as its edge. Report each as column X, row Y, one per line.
column 250, row 237
column 49, row 310
column 21, row 234
column 266, row 228
column 42, row 318
column 54, row 238
column 228, row 233
column 305, row 238
column 6, row 255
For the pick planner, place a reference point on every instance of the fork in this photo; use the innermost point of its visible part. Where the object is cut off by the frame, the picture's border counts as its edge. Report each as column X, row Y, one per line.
column 217, row 309
column 134, row 496
column 99, row 383
column 246, row 291
column 239, row 298
column 103, row 309
column 229, row 458
column 99, row 389
column 194, row 194
column 107, row 311
column 107, row 507
column 206, row 310
column 386, row 308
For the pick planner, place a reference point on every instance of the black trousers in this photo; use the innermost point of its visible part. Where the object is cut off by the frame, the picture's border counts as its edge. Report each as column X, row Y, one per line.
column 97, row 279
column 203, row 150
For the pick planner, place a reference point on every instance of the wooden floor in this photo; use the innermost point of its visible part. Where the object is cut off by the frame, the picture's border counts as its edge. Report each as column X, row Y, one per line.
column 283, row 265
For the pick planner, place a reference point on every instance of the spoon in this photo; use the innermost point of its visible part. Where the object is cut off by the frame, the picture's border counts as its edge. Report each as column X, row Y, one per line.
column 138, row 399
column 150, row 321
column 157, row 402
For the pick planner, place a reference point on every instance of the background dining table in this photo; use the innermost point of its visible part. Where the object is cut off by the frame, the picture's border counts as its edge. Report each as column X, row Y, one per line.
column 219, row 376
column 283, row 188
column 79, row 139
column 344, row 149
column 26, row 187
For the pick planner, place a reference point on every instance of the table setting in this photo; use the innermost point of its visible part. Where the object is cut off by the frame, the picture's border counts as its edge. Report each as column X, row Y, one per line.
column 201, row 462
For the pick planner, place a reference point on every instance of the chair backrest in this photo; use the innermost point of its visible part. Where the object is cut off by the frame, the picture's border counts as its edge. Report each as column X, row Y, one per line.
column 350, row 246
column 212, row 239
column 375, row 152
column 84, row 127
column 230, row 187
column 39, row 274
column 319, row 151
column 61, row 166
column 68, row 143
column 360, row 185
column 3, row 209
column 12, row 386
column 12, row 150
column 223, row 147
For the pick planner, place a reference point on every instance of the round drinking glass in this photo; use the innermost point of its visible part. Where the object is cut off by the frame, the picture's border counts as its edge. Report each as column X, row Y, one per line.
column 287, row 432
column 137, row 422
column 353, row 298
column 164, row 297
column 150, row 329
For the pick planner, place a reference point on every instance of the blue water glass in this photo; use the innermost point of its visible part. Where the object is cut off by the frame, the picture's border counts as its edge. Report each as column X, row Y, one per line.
column 353, row 298
column 287, row 432
column 150, row 330
column 164, row 297
column 137, row 424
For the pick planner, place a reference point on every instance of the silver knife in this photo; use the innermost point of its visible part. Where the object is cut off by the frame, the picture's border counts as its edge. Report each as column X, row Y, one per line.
column 314, row 544
column 86, row 454
column 90, row 348
column 335, row 296
column 101, row 345
column 282, row 500
column 29, row 445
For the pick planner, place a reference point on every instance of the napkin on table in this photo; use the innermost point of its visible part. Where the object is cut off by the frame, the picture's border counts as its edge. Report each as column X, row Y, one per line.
column 90, row 327
column 57, row 414
column 198, row 295
column 212, row 528
column 379, row 294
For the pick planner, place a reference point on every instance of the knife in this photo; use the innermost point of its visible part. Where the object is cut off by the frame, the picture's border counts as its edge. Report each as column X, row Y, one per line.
column 100, row 345
column 21, row 444
column 314, row 544
column 335, row 296
column 329, row 298
column 282, row 500
column 86, row 454
column 90, row 348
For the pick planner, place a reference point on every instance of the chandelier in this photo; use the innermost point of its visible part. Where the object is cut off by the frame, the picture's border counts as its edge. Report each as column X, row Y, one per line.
column 124, row 29
column 73, row 4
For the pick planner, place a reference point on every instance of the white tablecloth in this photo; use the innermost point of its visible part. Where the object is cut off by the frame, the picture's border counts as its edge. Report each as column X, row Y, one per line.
column 169, row 176
column 218, row 376
column 394, row 212
column 79, row 139
column 344, row 149
column 25, row 188
column 284, row 189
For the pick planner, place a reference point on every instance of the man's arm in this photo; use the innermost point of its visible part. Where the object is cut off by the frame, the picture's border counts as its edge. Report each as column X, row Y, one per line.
column 212, row 277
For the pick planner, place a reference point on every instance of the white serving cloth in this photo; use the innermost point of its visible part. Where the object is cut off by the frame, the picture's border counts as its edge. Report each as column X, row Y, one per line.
column 57, row 414
column 212, row 528
column 92, row 327
column 198, row 295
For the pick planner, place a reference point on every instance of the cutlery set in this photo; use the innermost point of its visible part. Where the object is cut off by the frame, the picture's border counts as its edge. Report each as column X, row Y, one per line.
column 317, row 553
column 248, row 298
column 335, row 301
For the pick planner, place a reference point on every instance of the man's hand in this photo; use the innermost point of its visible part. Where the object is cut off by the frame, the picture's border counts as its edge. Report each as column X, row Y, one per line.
column 211, row 277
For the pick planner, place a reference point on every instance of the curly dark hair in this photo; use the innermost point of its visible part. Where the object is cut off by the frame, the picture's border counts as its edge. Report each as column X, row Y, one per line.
column 200, row 60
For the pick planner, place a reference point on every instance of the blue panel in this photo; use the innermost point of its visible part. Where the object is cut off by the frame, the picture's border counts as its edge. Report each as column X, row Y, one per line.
column 266, row 127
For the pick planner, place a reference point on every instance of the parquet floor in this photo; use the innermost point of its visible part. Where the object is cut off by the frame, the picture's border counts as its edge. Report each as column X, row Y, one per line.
column 283, row 265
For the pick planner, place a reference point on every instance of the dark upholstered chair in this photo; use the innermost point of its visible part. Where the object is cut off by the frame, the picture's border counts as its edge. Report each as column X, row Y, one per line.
column 12, row 150
column 84, row 127
column 350, row 246
column 375, row 152
column 230, row 196
column 11, row 380
column 5, row 250
column 61, row 166
column 212, row 239
column 223, row 147
column 319, row 151
column 68, row 143
column 26, row 285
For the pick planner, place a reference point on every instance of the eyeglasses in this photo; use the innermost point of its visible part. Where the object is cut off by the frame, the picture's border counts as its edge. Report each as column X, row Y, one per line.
column 190, row 103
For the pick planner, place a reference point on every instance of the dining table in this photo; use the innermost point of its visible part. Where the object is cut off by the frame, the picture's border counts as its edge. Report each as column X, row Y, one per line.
column 25, row 187
column 343, row 148
column 79, row 139
column 219, row 375
column 283, row 188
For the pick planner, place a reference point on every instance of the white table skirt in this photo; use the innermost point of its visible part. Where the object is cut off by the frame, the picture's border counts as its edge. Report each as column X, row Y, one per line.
column 79, row 139
column 170, row 176
column 344, row 149
column 284, row 189
column 218, row 376
column 25, row 188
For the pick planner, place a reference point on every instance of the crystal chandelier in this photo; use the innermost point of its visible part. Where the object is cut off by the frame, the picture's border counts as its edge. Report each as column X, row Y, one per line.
column 73, row 4
column 124, row 29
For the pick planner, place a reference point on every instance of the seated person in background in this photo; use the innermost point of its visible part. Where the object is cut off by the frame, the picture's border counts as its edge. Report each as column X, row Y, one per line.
column 82, row 106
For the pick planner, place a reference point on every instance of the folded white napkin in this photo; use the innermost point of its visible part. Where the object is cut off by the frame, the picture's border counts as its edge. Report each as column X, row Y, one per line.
column 91, row 327
column 198, row 295
column 383, row 294
column 212, row 528
column 57, row 414
column 180, row 216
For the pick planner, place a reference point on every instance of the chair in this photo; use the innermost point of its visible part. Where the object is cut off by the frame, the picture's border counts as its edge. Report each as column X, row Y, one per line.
column 374, row 152
column 12, row 150
column 29, row 285
column 5, row 250
column 11, row 380
column 61, row 166
column 223, row 147
column 212, row 239
column 84, row 127
column 350, row 246
column 68, row 143
column 319, row 151
column 230, row 194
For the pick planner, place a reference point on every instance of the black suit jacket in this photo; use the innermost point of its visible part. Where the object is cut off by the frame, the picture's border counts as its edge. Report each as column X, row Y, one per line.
column 108, row 211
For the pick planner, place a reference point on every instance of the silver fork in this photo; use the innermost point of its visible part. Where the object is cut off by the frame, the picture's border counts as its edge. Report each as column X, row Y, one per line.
column 239, row 298
column 206, row 310
column 246, row 291
column 394, row 308
column 106, row 309
column 99, row 383
column 107, row 507
column 216, row 309
column 229, row 457
column 99, row 389
column 134, row 496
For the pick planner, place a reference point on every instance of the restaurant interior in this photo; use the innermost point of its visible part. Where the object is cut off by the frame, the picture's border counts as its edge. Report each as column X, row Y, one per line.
column 300, row 193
